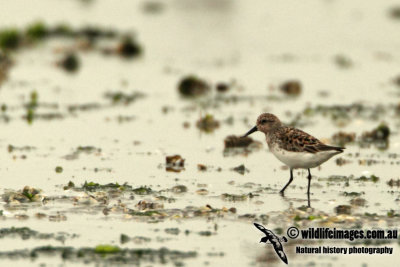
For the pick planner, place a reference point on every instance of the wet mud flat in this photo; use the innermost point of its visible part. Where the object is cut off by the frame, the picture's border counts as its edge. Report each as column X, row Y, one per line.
column 120, row 144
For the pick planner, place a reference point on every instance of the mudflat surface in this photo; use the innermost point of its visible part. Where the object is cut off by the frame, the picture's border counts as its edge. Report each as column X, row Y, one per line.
column 92, row 144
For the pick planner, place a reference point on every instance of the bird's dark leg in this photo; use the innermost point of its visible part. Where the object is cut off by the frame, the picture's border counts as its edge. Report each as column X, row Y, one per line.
column 288, row 183
column 308, row 189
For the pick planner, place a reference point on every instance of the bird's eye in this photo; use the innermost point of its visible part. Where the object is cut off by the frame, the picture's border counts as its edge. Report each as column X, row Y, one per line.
column 263, row 121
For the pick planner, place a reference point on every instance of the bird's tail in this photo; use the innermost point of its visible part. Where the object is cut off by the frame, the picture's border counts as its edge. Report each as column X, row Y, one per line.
column 327, row 148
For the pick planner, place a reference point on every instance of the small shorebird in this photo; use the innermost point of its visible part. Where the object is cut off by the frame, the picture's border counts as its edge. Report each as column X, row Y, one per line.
column 293, row 147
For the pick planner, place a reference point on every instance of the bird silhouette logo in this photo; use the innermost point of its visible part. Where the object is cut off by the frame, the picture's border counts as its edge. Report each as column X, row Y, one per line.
column 274, row 240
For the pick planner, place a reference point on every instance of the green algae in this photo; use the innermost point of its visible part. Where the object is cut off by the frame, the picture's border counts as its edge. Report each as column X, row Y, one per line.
column 122, row 97
column 106, row 249
column 368, row 214
column 69, row 185
column 9, row 39
column 37, row 31
column 12, row 38
column 310, row 217
column 26, row 195
column 31, row 106
column 142, row 190
column 392, row 214
column 372, row 178
column 30, row 192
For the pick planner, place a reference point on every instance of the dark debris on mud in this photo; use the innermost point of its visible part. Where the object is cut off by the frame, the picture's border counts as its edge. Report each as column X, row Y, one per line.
column 174, row 163
column 5, row 65
column 341, row 115
column 26, row 233
column 291, row 88
column 207, row 123
column 192, row 86
column 235, row 145
column 394, row 12
column 96, row 187
column 26, row 195
column 83, row 150
column 70, row 62
column 337, row 179
column 378, row 137
column 12, row 39
column 103, row 254
column 240, row 169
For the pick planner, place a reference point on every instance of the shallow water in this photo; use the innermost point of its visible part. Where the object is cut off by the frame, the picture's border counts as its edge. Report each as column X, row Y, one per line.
column 257, row 45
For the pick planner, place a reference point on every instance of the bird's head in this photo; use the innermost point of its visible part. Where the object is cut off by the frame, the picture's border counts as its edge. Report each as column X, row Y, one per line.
column 265, row 122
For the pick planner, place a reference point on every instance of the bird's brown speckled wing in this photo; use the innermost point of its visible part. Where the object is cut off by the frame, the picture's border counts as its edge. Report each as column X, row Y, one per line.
column 295, row 140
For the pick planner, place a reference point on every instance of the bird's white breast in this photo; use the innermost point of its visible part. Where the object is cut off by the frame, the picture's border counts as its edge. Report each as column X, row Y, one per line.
column 303, row 160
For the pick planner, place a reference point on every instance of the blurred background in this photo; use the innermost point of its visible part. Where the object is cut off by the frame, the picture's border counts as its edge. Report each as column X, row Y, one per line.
column 120, row 123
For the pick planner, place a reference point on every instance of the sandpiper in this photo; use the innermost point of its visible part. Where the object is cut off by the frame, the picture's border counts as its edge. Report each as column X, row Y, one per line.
column 293, row 147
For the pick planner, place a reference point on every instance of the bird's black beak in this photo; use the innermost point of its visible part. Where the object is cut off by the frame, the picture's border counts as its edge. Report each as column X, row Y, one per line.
column 252, row 130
